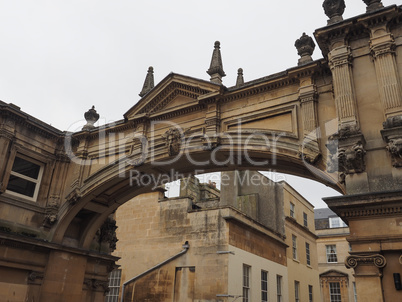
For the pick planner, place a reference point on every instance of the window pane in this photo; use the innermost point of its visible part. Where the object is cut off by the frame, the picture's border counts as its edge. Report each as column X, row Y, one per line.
column 264, row 286
column 335, row 292
column 26, row 168
column 21, row 186
column 331, row 253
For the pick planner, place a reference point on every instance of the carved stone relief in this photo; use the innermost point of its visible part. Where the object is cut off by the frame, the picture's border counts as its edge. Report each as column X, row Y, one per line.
column 51, row 211
column 392, row 135
column 107, row 234
column 173, row 141
column 346, row 152
column 355, row 260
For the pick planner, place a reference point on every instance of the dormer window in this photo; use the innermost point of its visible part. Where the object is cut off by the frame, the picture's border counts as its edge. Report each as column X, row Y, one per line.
column 25, row 177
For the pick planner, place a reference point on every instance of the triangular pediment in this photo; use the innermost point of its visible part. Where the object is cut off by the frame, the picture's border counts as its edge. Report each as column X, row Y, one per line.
column 175, row 92
column 333, row 273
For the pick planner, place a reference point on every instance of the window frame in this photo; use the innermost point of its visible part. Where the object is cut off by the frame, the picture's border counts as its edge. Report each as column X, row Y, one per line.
column 294, row 247
column 339, row 223
column 264, row 283
column 278, row 288
column 246, row 282
column 305, row 219
column 308, row 256
column 292, row 210
column 36, row 181
column 114, row 281
column 335, row 296
column 297, row 291
column 310, row 293
column 330, row 254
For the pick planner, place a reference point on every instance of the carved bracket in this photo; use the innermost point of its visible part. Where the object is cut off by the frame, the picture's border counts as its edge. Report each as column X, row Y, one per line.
column 392, row 135
column 73, row 197
column 51, row 211
column 138, row 152
column 35, row 277
column 173, row 141
column 355, row 260
column 346, row 152
column 96, row 285
column 107, row 234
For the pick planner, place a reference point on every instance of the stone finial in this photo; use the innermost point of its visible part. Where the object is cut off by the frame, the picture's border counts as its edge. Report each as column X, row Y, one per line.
column 305, row 48
column 148, row 83
column 334, row 10
column 373, row 5
column 240, row 79
column 91, row 117
column 216, row 68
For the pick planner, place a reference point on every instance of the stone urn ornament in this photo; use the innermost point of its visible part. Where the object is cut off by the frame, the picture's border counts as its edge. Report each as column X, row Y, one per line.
column 305, row 48
column 373, row 5
column 334, row 10
column 91, row 116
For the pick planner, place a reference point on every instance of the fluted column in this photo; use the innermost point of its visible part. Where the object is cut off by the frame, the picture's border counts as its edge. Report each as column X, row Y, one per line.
column 345, row 99
column 383, row 52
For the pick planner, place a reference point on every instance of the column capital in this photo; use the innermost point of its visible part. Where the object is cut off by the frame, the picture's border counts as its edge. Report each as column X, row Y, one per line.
column 377, row 260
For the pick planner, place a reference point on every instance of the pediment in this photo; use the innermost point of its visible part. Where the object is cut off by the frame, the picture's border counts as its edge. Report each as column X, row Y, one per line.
column 333, row 273
column 175, row 92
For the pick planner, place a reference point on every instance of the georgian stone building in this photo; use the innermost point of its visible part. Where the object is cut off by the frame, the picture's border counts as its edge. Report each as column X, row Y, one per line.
column 242, row 242
column 336, row 280
column 336, row 120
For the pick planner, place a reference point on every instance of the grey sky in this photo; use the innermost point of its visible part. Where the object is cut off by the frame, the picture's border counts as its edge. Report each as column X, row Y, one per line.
column 58, row 58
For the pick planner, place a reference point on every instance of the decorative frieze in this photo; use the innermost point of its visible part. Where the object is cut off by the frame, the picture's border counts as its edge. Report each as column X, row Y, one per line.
column 377, row 260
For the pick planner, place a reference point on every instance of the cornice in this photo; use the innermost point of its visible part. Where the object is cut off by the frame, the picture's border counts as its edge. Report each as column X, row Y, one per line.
column 27, row 243
column 355, row 27
column 301, row 227
column 13, row 112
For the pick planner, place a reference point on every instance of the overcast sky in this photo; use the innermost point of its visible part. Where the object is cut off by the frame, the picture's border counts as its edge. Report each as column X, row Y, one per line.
column 58, row 58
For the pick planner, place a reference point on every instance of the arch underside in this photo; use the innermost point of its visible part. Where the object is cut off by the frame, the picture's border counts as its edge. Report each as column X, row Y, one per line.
column 104, row 191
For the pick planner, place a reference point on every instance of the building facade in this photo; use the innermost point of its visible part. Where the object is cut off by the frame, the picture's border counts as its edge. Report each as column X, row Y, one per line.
column 337, row 282
column 337, row 120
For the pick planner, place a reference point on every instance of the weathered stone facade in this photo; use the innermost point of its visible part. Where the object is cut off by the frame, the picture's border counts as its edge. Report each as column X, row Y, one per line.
column 57, row 189
column 222, row 235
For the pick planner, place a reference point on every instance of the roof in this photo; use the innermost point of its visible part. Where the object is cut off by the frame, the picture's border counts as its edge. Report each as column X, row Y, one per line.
column 324, row 213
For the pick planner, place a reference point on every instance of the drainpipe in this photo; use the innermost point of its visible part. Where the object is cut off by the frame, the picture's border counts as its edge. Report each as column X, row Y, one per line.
column 185, row 246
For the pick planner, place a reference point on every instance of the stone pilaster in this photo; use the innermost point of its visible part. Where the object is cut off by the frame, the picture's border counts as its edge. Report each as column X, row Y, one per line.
column 139, row 147
column 212, row 127
column 6, row 138
column 368, row 274
column 308, row 102
column 383, row 52
column 340, row 62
